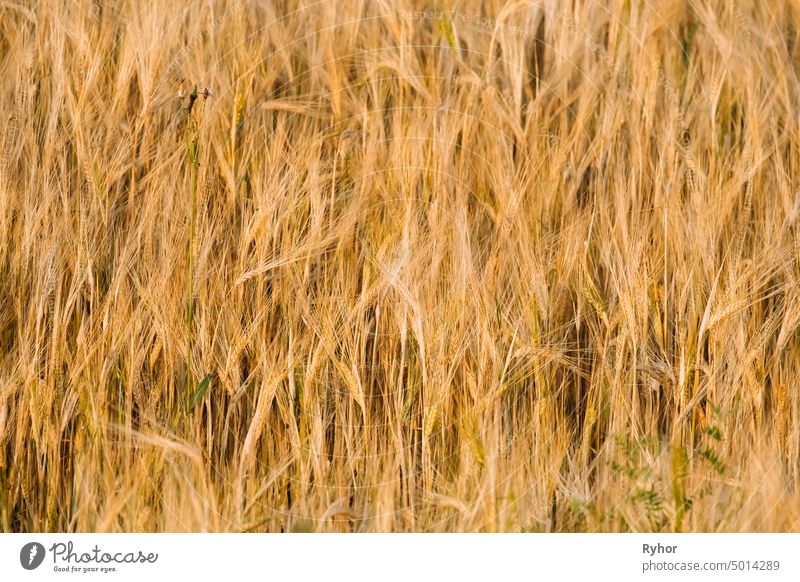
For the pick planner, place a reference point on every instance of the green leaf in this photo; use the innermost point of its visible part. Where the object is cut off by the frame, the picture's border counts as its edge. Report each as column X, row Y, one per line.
column 714, row 433
column 190, row 311
column 201, row 390
column 446, row 27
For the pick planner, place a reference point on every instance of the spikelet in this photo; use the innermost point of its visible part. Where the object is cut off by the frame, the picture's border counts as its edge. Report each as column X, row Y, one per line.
column 782, row 414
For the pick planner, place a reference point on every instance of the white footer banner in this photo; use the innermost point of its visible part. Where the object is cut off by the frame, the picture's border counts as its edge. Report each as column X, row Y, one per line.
column 407, row 557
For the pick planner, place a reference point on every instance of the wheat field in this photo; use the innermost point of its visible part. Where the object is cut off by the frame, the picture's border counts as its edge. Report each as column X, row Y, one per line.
column 373, row 265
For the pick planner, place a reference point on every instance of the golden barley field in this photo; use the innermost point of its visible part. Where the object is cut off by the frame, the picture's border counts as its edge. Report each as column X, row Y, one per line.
column 405, row 266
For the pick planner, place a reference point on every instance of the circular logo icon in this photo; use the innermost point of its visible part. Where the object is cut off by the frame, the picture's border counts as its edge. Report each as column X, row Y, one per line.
column 31, row 555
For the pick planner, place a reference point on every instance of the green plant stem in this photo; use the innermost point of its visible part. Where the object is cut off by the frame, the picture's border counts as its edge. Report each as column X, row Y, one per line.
column 194, row 162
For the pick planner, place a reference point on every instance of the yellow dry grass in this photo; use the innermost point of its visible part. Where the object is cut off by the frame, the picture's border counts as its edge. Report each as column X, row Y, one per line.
column 452, row 266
